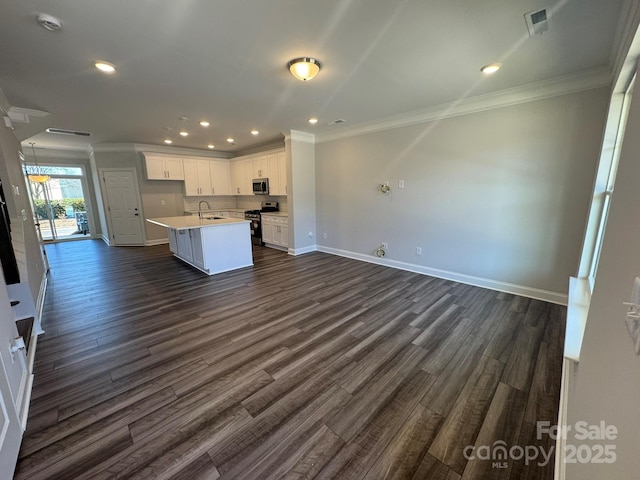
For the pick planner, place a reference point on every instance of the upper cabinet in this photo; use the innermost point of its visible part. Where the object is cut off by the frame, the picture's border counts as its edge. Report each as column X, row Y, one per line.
column 220, row 177
column 241, row 176
column 163, row 168
column 207, row 177
column 197, row 177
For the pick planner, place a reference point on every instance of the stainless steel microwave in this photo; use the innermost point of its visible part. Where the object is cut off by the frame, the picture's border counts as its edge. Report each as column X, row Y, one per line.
column 260, row 186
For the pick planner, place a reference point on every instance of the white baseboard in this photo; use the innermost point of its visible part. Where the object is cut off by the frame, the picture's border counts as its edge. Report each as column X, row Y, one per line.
column 535, row 293
column 303, row 250
column 150, row 243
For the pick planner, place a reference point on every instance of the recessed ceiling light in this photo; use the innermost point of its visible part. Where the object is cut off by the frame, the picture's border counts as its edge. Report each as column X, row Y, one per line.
column 491, row 68
column 204, row 123
column 184, row 133
column 211, row 145
column 167, row 141
column 313, row 120
column 230, row 140
column 105, row 67
column 254, row 132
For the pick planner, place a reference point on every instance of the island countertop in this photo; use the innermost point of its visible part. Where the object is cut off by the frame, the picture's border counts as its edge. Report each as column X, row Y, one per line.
column 193, row 221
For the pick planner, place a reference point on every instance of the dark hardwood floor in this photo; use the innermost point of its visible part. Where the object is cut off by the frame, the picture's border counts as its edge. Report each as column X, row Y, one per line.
column 314, row 366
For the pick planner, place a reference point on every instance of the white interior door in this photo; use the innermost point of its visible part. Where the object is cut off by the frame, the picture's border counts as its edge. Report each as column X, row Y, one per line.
column 13, row 375
column 123, row 207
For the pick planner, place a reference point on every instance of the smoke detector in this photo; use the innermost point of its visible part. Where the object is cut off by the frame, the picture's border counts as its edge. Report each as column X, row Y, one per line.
column 537, row 21
column 49, row 22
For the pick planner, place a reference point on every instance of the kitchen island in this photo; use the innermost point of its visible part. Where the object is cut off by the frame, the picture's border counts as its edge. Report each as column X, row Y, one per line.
column 212, row 244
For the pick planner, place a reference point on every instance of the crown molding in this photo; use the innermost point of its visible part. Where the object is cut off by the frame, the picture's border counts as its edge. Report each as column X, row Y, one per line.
column 21, row 115
column 299, row 136
column 596, row 78
column 159, row 149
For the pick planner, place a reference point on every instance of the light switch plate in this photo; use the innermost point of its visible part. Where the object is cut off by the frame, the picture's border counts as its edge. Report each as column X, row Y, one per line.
column 633, row 315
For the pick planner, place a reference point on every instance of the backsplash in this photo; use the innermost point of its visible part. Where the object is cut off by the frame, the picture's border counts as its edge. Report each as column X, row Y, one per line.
column 244, row 202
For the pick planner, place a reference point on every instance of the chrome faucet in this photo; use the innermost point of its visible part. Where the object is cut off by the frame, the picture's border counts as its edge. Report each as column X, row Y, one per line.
column 200, row 207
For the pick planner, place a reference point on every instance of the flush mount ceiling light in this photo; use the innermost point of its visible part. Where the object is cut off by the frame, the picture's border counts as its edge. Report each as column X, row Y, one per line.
column 211, row 146
column 168, row 141
column 231, row 140
column 105, row 67
column 491, row 68
column 304, row 68
column 49, row 22
column 184, row 133
column 204, row 123
column 255, row 132
column 313, row 120
column 37, row 177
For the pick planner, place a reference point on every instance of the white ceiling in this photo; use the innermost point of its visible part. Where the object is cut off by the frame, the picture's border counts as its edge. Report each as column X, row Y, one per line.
column 225, row 61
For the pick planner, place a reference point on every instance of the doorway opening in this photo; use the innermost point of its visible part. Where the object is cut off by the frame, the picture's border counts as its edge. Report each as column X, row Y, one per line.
column 59, row 202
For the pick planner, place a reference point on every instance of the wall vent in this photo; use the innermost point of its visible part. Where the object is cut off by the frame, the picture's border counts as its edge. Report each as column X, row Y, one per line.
column 62, row 131
column 537, row 21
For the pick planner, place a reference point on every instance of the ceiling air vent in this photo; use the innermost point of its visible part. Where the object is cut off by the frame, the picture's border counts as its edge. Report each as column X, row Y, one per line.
column 537, row 22
column 62, row 131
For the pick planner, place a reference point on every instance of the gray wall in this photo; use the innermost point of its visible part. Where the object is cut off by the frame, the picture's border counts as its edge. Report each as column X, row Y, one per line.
column 606, row 385
column 153, row 192
column 301, row 174
column 499, row 195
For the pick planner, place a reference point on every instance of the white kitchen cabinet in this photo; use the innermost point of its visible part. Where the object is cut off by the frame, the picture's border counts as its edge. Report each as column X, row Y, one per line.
column 259, row 165
column 185, row 250
column 173, row 240
column 220, row 177
column 275, row 231
column 197, row 177
column 282, row 172
column 242, row 176
column 163, row 168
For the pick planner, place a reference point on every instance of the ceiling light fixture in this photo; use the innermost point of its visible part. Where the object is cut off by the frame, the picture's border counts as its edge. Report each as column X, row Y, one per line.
column 304, row 68
column 211, row 146
column 491, row 68
column 184, row 133
column 313, row 120
column 105, row 67
column 204, row 123
column 230, row 140
column 255, row 132
column 37, row 177
column 168, row 141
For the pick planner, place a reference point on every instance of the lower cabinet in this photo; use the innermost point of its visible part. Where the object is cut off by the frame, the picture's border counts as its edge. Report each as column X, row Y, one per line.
column 275, row 231
column 195, row 235
column 185, row 250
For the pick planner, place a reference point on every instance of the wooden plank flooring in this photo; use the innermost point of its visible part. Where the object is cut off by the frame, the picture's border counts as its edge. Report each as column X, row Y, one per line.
column 300, row 367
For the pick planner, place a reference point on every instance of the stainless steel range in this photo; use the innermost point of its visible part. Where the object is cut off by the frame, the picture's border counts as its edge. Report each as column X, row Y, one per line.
column 256, row 224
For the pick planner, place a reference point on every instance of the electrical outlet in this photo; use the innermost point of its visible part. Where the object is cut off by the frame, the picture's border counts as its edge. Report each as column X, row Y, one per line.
column 162, row 202
column 401, row 184
column 418, row 250
column 324, row 235
column 385, row 245
column 310, row 234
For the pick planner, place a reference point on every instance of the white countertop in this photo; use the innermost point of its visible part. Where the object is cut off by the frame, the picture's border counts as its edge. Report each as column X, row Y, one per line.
column 192, row 221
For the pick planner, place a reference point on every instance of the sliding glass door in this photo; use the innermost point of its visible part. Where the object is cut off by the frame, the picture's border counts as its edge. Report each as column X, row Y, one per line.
column 59, row 202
